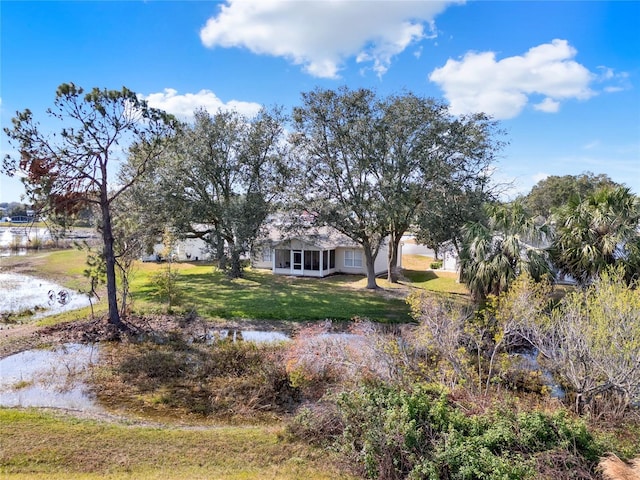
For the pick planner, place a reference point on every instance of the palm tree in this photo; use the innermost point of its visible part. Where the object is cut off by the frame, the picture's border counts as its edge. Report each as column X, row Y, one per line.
column 601, row 230
column 495, row 252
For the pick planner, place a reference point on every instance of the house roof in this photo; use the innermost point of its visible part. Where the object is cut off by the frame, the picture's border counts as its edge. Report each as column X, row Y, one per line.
column 320, row 237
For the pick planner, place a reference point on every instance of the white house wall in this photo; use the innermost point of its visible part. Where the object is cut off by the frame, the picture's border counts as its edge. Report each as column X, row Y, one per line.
column 187, row 249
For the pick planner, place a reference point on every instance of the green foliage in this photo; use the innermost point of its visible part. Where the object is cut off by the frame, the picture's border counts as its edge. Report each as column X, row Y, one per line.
column 95, row 272
column 598, row 231
column 554, row 192
column 590, row 338
column 497, row 251
column 218, row 182
column 442, row 334
column 593, row 339
column 393, row 433
column 435, row 265
column 166, row 280
column 166, row 285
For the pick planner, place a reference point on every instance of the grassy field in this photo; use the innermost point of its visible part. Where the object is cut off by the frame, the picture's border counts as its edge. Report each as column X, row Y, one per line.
column 259, row 295
column 262, row 295
column 41, row 445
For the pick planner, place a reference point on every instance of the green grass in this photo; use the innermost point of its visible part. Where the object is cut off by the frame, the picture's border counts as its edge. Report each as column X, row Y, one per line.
column 65, row 267
column 416, row 271
column 259, row 295
column 262, row 295
column 39, row 445
column 435, row 281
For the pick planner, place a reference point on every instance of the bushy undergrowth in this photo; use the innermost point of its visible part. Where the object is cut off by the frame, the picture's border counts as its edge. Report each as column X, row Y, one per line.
column 393, row 433
column 226, row 379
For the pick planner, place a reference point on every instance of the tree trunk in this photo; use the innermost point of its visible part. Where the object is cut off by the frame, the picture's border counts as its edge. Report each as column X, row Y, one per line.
column 110, row 263
column 371, row 270
column 221, row 256
column 236, row 267
column 392, row 260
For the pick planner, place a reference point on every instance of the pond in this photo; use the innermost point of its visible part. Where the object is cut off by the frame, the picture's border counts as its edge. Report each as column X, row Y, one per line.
column 49, row 378
column 15, row 240
column 530, row 361
column 35, row 297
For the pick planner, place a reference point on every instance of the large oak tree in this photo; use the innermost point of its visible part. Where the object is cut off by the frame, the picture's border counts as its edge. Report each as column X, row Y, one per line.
column 338, row 146
column 219, row 182
column 368, row 164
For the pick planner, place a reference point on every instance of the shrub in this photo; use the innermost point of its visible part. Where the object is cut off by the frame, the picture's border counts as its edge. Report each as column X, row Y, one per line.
column 393, row 433
column 165, row 282
column 591, row 338
column 318, row 361
column 435, row 265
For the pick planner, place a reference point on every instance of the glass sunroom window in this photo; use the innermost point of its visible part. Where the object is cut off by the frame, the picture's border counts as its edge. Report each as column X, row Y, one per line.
column 312, row 260
column 283, row 258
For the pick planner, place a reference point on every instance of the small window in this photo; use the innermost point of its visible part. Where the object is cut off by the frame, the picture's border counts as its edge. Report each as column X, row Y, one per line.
column 352, row 258
column 332, row 259
column 266, row 254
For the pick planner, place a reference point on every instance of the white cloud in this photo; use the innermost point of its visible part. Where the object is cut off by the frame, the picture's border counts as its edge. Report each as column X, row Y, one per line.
column 321, row 35
column 548, row 105
column 185, row 104
column 618, row 81
column 479, row 83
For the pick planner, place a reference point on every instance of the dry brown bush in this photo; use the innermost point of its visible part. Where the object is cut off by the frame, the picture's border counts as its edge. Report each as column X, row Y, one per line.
column 613, row 468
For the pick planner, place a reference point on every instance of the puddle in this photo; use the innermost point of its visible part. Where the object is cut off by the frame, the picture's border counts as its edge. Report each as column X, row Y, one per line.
column 256, row 336
column 268, row 336
column 48, row 378
column 530, row 359
column 21, row 293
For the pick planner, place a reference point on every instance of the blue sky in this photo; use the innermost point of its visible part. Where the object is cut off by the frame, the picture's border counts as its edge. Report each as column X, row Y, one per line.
column 563, row 78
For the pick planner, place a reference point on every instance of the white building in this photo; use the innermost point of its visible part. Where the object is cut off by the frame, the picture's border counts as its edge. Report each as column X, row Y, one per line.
column 316, row 253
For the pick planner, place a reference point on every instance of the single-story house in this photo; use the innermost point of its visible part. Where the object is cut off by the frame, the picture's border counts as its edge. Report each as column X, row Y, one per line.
column 314, row 252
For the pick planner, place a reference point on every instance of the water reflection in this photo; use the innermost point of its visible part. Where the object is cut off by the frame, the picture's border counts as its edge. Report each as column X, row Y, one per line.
column 23, row 294
column 48, row 378
column 256, row 336
column 530, row 360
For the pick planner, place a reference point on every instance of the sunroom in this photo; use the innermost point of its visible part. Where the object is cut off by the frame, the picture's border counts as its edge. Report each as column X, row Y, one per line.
column 295, row 257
